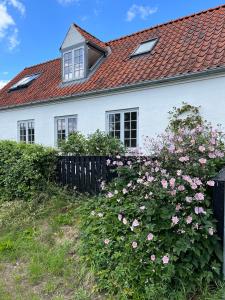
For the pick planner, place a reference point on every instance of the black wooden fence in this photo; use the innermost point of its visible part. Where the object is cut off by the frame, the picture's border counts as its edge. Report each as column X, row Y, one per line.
column 83, row 173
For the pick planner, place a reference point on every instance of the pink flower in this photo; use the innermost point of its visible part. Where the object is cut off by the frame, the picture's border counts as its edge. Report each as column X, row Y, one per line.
column 212, row 155
column 179, row 172
column 189, row 220
column 124, row 221
column 164, row 183
column 152, row 257
column 142, row 207
column 106, row 241
column 120, row 217
column 201, row 148
column 150, row 178
column 150, row 237
column 188, row 199
column 194, row 186
column 202, row 161
column 213, row 141
column 110, row 195
column 199, row 210
column 125, row 191
column 134, row 245
column 184, row 158
column 135, row 223
column 211, row 183
column 178, row 207
column 175, row 220
column 211, row 231
column 172, row 182
column 199, row 196
column 165, row 259
column 173, row 193
column 198, row 181
column 181, row 188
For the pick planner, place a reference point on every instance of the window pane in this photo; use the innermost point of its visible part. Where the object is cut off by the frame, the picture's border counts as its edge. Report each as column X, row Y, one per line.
column 127, row 125
column 68, row 66
column 127, row 143
column 127, row 117
column 79, row 63
column 134, row 115
column 31, row 133
column 130, row 129
column 61, row 129
column 23, row 132
column 133, row 143
column 72, row 125
column 114, row 125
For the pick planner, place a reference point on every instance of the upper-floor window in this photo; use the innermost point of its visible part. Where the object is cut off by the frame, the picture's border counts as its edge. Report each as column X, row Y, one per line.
column 73, row 64
column 124, row 126
column 26, row 131
column 65, row 126
column 145, row 47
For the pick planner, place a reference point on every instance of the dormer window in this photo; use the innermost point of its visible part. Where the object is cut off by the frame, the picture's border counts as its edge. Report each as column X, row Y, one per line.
column 81, row 55
column 73, row 64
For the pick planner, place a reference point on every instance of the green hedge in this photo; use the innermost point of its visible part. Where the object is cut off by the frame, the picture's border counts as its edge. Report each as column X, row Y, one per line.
column 24, row 169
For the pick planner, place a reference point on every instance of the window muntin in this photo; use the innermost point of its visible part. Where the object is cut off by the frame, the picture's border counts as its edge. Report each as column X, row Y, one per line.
column 145, row 47
column 65, row 126
column 26, row 131
column 124, row 126
column 73, row 64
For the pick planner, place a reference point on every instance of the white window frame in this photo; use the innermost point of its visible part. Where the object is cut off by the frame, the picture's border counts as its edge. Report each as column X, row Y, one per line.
column 73, row 64
column 26, row 122
column 66, row 118
column 122, row 129
column 137, row 52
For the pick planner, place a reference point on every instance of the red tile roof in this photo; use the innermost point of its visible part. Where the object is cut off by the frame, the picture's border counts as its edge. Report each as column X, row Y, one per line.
column 188, row 45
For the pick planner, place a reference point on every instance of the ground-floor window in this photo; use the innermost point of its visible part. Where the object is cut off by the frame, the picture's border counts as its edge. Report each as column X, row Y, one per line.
column 65, row 126
column 123, row 124
column 26, row 131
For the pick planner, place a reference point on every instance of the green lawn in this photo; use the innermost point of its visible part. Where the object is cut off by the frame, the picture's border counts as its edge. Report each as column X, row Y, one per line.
column 39, row 259
column 38, row 251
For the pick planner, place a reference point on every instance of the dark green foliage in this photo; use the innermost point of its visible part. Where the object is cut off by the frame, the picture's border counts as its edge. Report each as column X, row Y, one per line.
column 98, row 143
column 24, row 169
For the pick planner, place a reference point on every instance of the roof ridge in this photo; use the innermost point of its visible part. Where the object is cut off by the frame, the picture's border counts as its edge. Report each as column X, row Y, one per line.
column 166, row 23
column 88, row 33
column 42, row 63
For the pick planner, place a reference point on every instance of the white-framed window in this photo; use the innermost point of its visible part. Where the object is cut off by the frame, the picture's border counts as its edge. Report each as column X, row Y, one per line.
column 64, row 126
column 123, row 124
column 73, row 64
column 26, row 131
column 145, row 47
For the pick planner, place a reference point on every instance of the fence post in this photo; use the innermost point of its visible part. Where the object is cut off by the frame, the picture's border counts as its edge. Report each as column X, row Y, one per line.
column 218, row 208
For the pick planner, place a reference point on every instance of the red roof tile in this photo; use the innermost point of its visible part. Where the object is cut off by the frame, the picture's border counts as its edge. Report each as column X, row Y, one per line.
column 190, row 44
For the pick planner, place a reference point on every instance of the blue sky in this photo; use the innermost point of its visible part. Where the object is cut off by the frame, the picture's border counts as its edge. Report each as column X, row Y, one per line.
column 32, row 31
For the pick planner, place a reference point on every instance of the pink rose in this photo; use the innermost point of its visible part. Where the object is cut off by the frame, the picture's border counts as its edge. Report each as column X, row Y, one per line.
column 179, row 172
column 202, row 161
column 211, row 183
column 199, row 210
column 135, row 223
column 120, row 217
column 152, row 257
column 189, row 220
column 172, row 182
column 184, row 158
column 150, row 237
column 211, row 231
column 164, row 183
column 199, row 197
column 106, row 241
column 178, row 207
column 175, row 220
column 212, row 155
column 124, row 221
column 165, row 259
column 134, row 245
column 125, row 191
column 188, row 199
column 110, row 195
column 181, row 188
column 201, row 148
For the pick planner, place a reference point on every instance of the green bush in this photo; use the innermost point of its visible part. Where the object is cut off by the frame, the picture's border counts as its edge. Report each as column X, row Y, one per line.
column 24, row 169
column 153, row 235
column 98, row 143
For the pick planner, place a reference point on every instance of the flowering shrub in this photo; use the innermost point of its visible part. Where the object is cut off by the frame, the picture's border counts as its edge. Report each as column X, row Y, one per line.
column 153, row 234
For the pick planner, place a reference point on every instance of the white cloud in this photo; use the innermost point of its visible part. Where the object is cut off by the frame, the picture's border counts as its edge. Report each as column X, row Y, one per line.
column 66, row 2
column 18, row 5
column 3, row 83
column 8, row 27
column 139, row 10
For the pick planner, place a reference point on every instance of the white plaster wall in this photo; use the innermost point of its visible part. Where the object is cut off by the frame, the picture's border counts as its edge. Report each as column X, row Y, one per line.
column 153, row 103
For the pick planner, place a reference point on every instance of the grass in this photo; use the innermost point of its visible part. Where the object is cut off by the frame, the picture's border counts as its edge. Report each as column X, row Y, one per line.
column 39, row 242
column 38, row 250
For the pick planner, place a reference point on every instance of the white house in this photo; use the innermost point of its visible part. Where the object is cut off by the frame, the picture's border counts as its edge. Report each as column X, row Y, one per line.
column 125, row 86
